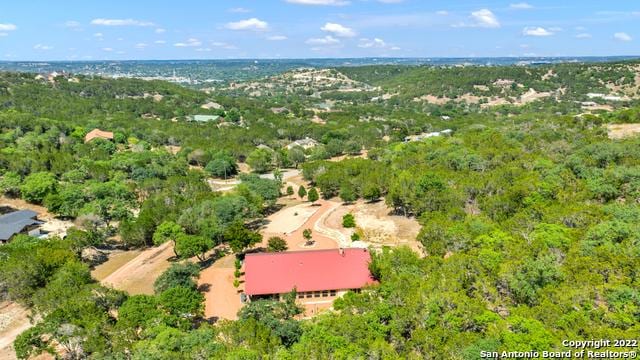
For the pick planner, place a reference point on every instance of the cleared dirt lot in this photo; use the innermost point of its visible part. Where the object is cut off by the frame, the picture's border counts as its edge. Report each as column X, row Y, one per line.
column 621, row 131
column 137, row 275
column 378, row 226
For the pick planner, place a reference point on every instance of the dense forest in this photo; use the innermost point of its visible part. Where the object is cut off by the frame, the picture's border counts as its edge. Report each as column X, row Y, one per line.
column 529, row 218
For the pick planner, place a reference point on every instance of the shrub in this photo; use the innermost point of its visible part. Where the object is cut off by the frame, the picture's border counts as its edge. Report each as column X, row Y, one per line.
column 276, row 244
column 348, row 221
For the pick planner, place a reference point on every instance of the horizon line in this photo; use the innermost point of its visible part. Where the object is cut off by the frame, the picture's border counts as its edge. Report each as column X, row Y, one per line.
column 427, row 58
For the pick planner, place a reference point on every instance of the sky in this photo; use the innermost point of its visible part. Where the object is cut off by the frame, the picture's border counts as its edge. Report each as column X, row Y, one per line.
column 40, row 30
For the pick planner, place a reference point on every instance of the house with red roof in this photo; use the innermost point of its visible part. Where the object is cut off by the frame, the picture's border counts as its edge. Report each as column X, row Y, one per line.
column 319, row 276
column 98, row 134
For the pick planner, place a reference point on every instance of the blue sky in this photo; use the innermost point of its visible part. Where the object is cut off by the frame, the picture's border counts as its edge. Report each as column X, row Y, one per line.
column 216, row 29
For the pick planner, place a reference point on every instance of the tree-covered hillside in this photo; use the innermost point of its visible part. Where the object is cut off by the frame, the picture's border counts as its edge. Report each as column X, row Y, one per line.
column 529, row 219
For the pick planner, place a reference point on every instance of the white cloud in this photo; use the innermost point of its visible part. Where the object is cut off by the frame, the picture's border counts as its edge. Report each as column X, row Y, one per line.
column 73, row 25
column 192, row 42
column 160, row 42
column 583, row 36
column 161, row 31
column 372, row 43
column 98, row 35
column 482, row 18
column 536, row 31
column 375, row 43
column 8, row 27
column 327, row 40
column 390, row 1
column 42, row 47
column 622, row 36
column 141, row 46
column 521, row 6
column 239, row 10
column 107, row 49
column 442, row 12
column 253, row 24
column 277, row 38
column 120, row 22
column 485, row 18
column 338, row 30
column 2, row 34
column 320, row 2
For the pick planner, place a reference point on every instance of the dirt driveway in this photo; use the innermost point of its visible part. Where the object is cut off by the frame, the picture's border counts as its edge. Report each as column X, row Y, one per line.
column 289, row 227
column 222, row 300
column 13, row 321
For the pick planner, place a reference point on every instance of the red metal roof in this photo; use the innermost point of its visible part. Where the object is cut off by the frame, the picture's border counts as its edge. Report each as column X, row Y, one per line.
column 277, row 273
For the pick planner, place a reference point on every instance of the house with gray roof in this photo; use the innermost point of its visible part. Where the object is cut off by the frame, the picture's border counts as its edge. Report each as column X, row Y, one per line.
column 22, row 221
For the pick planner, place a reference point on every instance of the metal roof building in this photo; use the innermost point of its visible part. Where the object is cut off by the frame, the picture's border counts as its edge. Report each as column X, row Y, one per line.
column 316, row 270
column 15, row 222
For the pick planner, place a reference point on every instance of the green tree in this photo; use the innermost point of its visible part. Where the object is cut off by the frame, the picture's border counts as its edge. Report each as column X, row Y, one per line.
column 178, row 274
column 222, row 165
column 276, row 244
column 313, row 195
column 28, row 264
column 308, row 236
column 260, row 160
column 534, row 275
column 10, row 184
column 168, row 231
column 278, row 316
column 302, row 192
column 182, row 304
column 29, row 343
column 290, row 191
column 37, row 186
column 138, row 311
column 371, row 192
column 347, row 194
column 188, row 246
column 297, row 156
column 240, row 238
column 348, row 221
column 62, row 287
